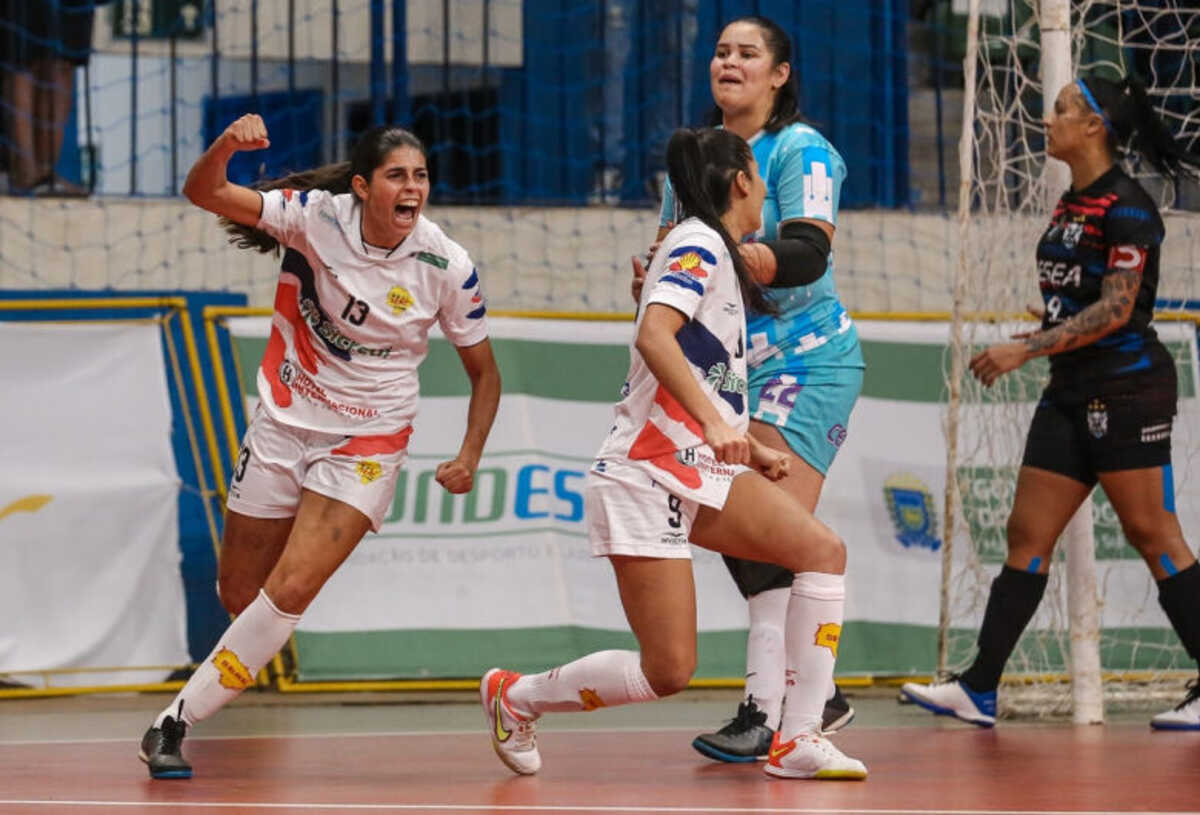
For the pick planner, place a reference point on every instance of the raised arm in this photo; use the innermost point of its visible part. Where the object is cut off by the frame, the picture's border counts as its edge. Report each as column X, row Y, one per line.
column 664, row 357
column 208, row 186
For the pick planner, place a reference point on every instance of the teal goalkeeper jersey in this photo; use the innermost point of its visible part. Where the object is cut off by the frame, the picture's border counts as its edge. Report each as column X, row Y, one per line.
column 804, row 175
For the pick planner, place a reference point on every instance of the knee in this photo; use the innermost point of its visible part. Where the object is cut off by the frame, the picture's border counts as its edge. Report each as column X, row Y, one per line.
column 1144, row 534
column 236, row 594
column 1021, row 534
column 669, row 676
column 291, row 592
column 828, row 554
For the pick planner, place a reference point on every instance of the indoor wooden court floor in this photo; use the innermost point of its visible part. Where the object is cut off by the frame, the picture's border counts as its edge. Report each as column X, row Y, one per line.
column 272, row 753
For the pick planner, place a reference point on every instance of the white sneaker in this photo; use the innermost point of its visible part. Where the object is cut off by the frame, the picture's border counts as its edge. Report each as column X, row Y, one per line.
column 514, row 737
column 810, row 755
column 953, row 698
column 1185, row 715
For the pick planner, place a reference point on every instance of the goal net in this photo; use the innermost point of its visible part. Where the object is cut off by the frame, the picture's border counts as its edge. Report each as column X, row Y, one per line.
column 1107, row 632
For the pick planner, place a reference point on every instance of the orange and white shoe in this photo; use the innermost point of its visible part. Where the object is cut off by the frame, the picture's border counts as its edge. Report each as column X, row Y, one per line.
column 514, row 737
column 811, row 755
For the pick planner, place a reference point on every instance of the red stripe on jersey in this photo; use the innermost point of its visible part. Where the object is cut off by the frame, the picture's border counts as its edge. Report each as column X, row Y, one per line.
column 1089, row 229
column 653, row 445
column 1127, row 258
column 272, row 359
column 370, row 445
column 675, row 410
column 1104, row 200
column 287, row 305
column 1085, row 210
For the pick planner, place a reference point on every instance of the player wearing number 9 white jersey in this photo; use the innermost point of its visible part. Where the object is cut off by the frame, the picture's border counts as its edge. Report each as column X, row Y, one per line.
column 673, row 470
column 364, row 277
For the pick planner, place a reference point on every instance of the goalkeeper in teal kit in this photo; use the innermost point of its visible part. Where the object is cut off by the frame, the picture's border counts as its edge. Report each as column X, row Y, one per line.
column 805, row 365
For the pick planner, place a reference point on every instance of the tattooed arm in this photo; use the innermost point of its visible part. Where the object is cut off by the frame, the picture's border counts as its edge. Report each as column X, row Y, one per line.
column 1117, row 295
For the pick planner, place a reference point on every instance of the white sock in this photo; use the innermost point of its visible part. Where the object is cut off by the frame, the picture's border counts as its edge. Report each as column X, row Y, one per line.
column 250, row 641
column 765, row 652
column 814, row 626
column 602, row 679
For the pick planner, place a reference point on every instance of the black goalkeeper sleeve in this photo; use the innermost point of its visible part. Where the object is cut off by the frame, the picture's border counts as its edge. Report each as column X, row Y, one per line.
column 801, row 254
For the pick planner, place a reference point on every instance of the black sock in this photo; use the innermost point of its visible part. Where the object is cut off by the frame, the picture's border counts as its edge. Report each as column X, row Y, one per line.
column 1011, row 603
column 1179, row 596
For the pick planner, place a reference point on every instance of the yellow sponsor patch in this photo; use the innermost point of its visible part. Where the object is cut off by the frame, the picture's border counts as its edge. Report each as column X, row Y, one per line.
column 590, row 699
column 29, row 503
column 828, row 635
column 234, row 674
column 399, row 299
column 368, row 471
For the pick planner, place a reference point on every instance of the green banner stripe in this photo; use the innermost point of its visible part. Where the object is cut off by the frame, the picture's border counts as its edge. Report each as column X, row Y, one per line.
column 873, row 648
column 907, row 372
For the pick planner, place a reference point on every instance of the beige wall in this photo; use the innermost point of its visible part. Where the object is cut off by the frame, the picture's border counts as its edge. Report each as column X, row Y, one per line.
column 558, row 259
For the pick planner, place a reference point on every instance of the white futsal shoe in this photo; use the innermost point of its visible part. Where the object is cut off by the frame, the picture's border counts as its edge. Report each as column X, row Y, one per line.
column 811, row 755
column 514, row 737
column 954, row 698
column 1185, row 715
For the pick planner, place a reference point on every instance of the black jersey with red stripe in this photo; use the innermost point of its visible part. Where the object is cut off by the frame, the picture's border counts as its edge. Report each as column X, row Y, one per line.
column 1109, row 226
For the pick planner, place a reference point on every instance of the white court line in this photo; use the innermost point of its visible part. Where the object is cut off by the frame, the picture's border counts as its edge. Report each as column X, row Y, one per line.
column 576, row 808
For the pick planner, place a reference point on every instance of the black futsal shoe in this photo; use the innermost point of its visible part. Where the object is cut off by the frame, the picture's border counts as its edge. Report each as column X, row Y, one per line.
column 837, row 713
column 162, row 750
column 746, row 738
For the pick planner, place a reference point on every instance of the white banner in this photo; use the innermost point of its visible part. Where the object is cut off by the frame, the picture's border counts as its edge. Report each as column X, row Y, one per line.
column 88, row 504
column 513, row 555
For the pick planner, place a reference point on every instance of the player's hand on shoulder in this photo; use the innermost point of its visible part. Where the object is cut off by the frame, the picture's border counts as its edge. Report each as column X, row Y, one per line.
column 760, row 262
column 248, row 132
column 728, row 445
column 455, row 476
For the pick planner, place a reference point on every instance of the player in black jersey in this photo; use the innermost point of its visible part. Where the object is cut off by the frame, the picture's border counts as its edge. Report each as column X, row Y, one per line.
column 1107, row 412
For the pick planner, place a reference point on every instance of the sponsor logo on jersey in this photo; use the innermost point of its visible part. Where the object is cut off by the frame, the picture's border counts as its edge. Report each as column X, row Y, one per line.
column 399, row 299
column 28, row 503
column 836, row 435
column 327, row 330
column 724, row 378
column 688, row 270
column 368, row 471
column 590, row 699
column 910, row 505
column 1156, row 432
column 673, row 539
column 1059, row 273
column 302, row 197
column 433, row 260
column 232, row 673
column 827, row 636
column 287, row 372
column 478, row 308
column 1127, row 258
column 1097, row 418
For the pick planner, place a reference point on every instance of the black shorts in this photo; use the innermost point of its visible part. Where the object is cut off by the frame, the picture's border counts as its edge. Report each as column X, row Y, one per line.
column 36, row 30
column 1126, row 430
column 754, row 578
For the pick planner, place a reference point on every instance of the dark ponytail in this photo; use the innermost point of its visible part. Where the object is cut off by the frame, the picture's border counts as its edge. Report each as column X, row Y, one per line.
column 702, row 165
column 1134, row 124
column 786, row 109
column 369, row 152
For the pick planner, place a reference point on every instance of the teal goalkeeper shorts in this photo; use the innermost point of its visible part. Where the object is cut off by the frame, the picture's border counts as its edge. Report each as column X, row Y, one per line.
column 810, row 407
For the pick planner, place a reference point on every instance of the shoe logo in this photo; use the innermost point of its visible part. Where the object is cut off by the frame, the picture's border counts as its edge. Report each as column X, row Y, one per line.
column 501, row 733
column 828, row 635
column 778, row 752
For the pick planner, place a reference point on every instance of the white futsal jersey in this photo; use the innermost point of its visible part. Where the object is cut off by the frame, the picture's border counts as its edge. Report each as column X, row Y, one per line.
column 352, row 321
column 691, row 272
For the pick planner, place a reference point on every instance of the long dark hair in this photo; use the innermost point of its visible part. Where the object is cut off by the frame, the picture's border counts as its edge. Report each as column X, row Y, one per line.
column 1134, row 124
column 702, row 165
column 369, row 153
column 786, row 109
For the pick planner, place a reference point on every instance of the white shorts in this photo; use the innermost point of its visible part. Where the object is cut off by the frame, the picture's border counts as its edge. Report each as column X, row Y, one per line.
column 629, row 513
column 277, row 460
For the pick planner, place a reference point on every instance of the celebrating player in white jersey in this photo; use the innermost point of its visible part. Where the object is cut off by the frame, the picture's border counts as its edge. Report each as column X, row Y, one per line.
column 364, row 277
column 672, row 469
